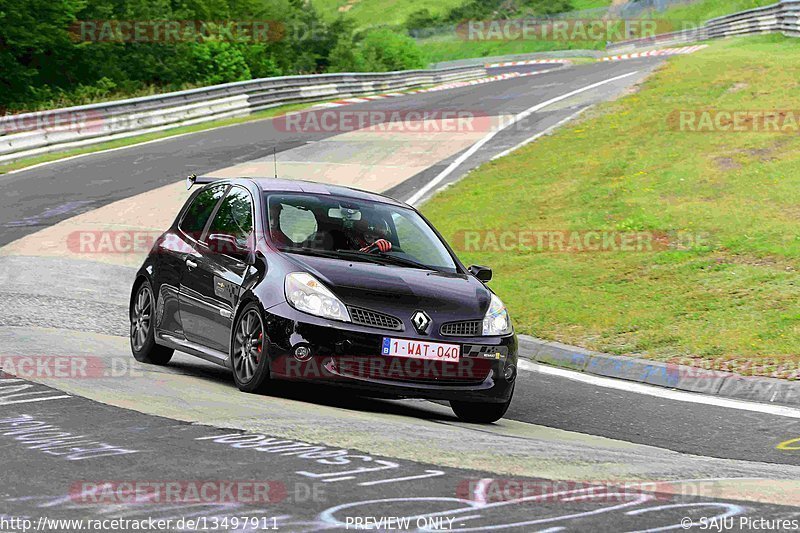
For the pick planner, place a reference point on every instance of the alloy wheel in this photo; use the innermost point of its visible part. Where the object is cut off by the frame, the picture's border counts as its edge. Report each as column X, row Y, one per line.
column 248, row 345
column 141, row 316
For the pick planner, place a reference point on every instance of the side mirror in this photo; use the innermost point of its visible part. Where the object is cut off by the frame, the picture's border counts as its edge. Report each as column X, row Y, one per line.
column 227, row 244
column 481, row 272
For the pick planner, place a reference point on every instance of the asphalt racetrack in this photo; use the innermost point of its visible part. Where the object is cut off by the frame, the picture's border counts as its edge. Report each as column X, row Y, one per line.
column 570, row 455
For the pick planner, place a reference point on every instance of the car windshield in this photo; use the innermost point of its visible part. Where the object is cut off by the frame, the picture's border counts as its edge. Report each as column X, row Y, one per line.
column 355, row 229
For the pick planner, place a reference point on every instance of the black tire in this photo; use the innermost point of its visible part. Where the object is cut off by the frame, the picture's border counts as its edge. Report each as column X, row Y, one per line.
column 249, row 360
column 479, row 413
column 142, row 332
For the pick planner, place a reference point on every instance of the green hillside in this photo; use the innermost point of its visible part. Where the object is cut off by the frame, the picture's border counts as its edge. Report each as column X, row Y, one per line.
column 704, row 10
column 367, row 13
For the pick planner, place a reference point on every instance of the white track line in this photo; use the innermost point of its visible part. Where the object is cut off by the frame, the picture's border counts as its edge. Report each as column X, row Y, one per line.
column 541, row 133
column 30, row 400
column 668, row 394
column 478, row 145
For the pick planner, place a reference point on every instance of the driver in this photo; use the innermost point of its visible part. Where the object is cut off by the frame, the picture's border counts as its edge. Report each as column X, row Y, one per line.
column 368, row 234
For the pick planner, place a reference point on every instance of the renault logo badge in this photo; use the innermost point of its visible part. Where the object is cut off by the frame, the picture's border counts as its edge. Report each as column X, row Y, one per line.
column 421, row 322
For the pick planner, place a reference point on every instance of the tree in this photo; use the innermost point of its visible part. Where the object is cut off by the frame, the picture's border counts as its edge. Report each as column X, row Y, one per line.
column 385, row 50
column 32, row 35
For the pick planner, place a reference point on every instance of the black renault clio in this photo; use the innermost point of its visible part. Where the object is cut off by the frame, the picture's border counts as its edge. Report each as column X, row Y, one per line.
column 293, row 280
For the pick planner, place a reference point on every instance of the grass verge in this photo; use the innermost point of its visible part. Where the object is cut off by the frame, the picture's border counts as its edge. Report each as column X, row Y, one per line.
column 451, row 47
column 727, row 298
column 700, row 12
column 367, row 13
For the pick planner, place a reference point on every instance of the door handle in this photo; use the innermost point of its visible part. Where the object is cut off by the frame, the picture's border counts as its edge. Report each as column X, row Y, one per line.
column 191, row 264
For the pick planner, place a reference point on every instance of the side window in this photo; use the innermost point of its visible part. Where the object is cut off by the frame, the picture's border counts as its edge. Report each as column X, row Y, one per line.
column 197, row 215
column 235, row 216
column 414, row 236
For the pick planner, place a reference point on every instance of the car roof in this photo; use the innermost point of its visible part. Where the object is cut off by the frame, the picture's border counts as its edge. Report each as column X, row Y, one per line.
column 280, row 185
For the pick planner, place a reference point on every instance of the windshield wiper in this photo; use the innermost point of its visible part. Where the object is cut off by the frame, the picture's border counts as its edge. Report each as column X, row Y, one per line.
column 393, row 259
column 338, row 254
column 381, row 259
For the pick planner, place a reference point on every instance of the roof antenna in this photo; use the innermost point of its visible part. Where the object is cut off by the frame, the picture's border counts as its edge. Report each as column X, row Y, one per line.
column 275, row 160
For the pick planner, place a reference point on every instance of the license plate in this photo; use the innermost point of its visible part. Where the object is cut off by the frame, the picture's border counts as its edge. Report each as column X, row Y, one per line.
column 421, row 350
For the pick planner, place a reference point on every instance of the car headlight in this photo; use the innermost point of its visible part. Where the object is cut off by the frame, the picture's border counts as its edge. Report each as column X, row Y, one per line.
column 496, row 321
column 305, row 293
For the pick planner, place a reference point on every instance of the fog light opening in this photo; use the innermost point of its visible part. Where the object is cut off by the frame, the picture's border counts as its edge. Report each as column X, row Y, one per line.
column 510, row 373
column 302, row 352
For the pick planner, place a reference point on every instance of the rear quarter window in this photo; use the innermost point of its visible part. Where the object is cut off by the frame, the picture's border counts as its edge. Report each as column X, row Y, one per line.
column 234, row 216
column 196, row 217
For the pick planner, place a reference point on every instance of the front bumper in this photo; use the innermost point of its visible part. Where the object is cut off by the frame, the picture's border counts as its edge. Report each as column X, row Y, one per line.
column 350, row 355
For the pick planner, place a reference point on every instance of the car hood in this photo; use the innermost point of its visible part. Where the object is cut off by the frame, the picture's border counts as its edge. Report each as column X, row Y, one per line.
column 400, row 291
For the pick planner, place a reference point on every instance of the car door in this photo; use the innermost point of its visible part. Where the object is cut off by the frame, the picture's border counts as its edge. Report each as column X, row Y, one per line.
column 210, row 289
column 174, row 248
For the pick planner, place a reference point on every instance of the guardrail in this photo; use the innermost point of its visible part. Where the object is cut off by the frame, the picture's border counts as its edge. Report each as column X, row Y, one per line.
column 783, row 17
column 554, row 54
column 31, row 134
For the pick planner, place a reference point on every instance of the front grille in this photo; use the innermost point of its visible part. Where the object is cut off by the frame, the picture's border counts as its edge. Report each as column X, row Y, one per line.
column 366, row 317
column 470, row 328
